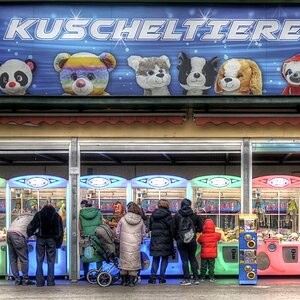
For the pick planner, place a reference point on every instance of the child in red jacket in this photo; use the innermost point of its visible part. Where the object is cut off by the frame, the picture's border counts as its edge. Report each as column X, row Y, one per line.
column 209, row 249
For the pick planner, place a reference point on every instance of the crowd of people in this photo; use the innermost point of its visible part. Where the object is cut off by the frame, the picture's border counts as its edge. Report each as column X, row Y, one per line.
column 186, row 228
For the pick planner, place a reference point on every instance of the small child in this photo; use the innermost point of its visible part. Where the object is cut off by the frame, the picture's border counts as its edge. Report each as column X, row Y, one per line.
column 209, row 249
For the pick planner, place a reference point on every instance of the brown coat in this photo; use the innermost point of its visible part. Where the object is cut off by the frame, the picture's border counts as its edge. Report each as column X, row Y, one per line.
column 131, row 230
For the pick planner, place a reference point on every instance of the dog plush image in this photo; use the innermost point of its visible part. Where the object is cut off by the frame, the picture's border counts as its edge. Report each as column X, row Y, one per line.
column 196, row 74
column 83, row 73
column 16, row 76
column 239, row 76
column 290, row 71
column 152, row 74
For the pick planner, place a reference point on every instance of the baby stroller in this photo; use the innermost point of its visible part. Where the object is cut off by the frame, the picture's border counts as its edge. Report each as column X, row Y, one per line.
column 106, row 247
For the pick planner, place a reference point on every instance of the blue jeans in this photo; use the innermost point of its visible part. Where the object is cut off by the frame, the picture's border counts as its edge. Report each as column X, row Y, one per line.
column 47, row 246
column 163, row 266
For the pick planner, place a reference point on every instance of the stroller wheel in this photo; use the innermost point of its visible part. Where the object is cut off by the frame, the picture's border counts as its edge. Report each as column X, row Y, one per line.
column 104, row 279
column 92, row 276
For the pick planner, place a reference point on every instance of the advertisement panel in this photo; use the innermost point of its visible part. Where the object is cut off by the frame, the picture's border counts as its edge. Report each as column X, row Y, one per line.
column 150, row 50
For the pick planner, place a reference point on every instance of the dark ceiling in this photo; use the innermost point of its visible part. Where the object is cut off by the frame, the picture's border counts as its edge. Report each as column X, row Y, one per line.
column 46, row 158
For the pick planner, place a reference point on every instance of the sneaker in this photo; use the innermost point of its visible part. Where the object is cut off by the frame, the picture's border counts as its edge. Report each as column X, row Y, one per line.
column 212, row 280
column 28, row 282
column 202, row 279
column 185, row 282
column 195, row 282
column 18, row 282
column 162, row 280
column 138, row 279
column 152, row 280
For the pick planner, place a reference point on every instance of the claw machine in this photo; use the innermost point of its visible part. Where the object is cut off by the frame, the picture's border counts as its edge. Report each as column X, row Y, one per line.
column 275, row 201
column 147, row 191
column 3, row 245
column 31, row 193
column 219, row 197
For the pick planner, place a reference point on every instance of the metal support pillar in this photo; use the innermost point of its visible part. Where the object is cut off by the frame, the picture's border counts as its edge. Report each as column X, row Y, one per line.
column 74, row 174
column 246, row 170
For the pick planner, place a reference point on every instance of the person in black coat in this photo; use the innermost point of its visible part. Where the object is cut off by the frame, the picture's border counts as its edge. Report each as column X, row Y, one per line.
column 161, row 244
column 187, row 250
column 48, row 228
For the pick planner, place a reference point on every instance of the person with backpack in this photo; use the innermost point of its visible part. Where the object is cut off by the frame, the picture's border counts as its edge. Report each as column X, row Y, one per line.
column 209, row 249
column 161, row 244
column 186, row 225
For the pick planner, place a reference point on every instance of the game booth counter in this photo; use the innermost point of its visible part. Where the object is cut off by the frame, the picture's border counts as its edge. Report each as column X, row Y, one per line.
column 147, row 191
column 276, row 203
column 219, row 197
column 3, row 244
column 31, row 193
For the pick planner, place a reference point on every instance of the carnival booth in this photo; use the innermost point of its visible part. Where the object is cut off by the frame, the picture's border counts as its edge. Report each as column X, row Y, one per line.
column 3, row 245
column 31, row 193
column 147, row 191
column 219, row 197
column 276, row 203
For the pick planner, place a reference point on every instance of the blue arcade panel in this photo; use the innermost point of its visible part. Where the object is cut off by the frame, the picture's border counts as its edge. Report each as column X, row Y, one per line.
column 247, row 249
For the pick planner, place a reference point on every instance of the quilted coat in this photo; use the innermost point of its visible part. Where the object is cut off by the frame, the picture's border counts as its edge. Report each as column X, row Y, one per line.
column 209, row 240
column 131, row 232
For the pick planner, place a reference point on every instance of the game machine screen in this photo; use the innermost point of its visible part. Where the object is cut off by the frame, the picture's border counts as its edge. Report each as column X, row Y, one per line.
column 107, row 193
column 275, row 201
column 147, row 191
column 3, row 245
column 30, row 194
column 219, row 197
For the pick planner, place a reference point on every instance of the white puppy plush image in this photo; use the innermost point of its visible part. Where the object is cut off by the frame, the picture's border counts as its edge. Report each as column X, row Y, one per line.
column 152, row 74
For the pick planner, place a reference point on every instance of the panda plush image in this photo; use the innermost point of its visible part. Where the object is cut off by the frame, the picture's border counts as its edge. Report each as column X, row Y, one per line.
column 196, row 74
column 290, row 71
column 84, row 73
column 16, row 76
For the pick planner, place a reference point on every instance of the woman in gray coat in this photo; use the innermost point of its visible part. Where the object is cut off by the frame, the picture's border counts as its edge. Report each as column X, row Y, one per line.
column 130, row 232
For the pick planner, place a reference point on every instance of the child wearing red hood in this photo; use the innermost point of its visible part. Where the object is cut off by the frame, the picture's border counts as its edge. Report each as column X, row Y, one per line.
column 209, row 249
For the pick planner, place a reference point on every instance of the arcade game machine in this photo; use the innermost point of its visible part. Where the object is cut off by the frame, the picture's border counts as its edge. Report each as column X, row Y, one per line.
column 107, row 193
column 219, row 197
column 147, row 191
column 31, row 193
column 276, row 203
column 248, row 249
column 3, row 245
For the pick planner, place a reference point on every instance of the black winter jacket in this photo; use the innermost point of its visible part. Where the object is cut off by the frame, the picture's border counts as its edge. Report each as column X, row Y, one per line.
column 185, row 212
column 47, row 223
column 161, row 227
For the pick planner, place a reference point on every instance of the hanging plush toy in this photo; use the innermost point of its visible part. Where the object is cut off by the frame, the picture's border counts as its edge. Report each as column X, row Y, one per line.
column 290, row 71
column 62, row 210
column 118, row 211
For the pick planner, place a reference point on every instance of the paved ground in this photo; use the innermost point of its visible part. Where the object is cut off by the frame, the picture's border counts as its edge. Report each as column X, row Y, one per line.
column 225, row 289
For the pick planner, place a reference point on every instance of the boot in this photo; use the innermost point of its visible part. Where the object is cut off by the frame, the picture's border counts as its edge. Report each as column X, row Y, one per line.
column 152, row 279
column 123, row 280
column 131, row 281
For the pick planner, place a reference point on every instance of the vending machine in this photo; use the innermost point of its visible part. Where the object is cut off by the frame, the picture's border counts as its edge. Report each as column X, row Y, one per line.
column 147, row 191
column 31, row 193
column 3, row 245
column 219, row 197
column 248, row 249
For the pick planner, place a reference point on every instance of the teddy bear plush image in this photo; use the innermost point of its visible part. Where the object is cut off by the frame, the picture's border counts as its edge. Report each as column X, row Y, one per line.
column 239, row 76
column 16, row 76
column 290, row 71
column 196, row 74
column 152, row 74
column 83, row 73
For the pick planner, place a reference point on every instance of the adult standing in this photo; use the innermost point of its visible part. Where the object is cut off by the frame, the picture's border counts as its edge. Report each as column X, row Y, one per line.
column 188, row 249
column 161, row 244
column 89, row 219
column 130, row 232
column 48, row 228
column 18, row 248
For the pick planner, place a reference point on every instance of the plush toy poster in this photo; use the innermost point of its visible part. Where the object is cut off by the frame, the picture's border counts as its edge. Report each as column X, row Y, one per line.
column 149, row 50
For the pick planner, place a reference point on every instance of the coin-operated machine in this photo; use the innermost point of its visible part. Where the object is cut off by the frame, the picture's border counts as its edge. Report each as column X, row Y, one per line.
column 31, row 193
column 248, row 249
column 3, row 245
